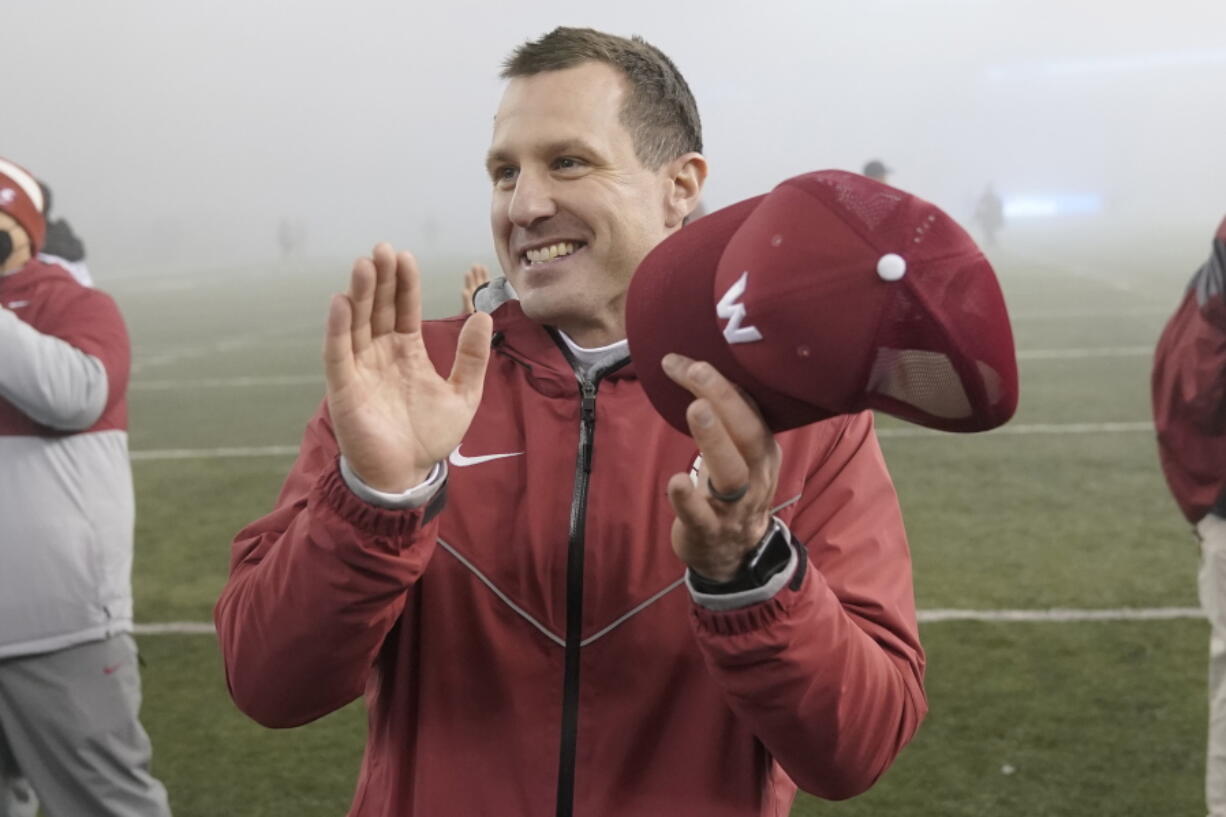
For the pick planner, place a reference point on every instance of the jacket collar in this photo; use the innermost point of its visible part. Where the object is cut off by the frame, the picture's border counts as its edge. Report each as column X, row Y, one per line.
column 535, row 343
column 31, row 273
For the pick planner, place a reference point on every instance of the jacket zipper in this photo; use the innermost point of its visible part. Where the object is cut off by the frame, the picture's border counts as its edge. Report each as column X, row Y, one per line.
column 574, row 600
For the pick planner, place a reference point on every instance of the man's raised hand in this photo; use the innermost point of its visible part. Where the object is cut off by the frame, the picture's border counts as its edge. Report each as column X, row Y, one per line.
column 394, row 416
column 726, row 513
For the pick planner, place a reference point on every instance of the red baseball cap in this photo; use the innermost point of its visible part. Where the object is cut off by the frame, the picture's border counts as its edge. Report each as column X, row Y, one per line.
column 21, row 198
column 831, row 294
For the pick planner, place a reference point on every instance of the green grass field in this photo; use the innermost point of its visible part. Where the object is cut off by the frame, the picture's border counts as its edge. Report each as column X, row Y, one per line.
column 1027, row 718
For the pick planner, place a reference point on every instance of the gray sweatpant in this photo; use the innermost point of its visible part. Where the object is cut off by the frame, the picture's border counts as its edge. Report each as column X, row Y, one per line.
column 69, row 730
column 1212, row 586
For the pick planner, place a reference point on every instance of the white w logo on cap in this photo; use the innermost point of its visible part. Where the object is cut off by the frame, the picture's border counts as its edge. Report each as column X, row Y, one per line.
column 735, row 313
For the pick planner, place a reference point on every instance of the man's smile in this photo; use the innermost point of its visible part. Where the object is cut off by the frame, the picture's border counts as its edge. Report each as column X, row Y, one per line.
column 549, row 253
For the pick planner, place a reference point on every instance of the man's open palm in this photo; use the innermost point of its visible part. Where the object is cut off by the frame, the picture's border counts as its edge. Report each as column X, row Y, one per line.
column 393, row 414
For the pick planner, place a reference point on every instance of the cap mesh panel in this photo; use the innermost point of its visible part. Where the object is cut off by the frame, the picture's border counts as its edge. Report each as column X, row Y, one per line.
column 871, row 209
column 926, row 380
column 924, row 331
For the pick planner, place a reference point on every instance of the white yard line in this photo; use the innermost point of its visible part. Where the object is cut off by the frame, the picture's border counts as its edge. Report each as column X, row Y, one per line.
column 177, row 628
column 215, row 453
column 1085, row 352
column 1063, row 615
column 1056, row 616
column 1075, row 312
column 229, row 382
column 1023, row 429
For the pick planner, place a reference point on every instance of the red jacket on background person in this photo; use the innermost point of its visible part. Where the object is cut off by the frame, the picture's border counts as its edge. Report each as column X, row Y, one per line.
column 1189, row 391
column 531, row 648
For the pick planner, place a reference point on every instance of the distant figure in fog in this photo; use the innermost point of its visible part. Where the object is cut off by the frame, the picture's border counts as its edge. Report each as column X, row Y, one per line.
column 291, row 238
column 990, row 214
column 69, row 675
column 1189, row 397
column 876, row 170
column 62, row 246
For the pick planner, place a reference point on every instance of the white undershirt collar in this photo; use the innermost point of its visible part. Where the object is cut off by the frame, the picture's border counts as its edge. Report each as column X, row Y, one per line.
column 589, row 358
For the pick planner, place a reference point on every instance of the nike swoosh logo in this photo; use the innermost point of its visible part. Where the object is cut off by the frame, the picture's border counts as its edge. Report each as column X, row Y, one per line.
column 111, row 669
column 17, row 304
column 459, row 460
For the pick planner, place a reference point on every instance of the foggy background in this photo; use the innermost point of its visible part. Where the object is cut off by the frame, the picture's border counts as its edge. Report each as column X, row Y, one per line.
column 179, row 136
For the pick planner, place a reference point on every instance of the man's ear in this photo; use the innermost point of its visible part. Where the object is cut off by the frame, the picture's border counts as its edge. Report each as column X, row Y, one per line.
column 686, row 174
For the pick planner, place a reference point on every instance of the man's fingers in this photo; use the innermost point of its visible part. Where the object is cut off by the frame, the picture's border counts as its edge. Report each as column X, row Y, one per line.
column 383, row 311
column 338, row 343
column 477, row 274
column 741, row 419
column 691, row 506
column 721, row 458
column 408, row 294
column 466, row 292
column 361, row 299
column 471, row 355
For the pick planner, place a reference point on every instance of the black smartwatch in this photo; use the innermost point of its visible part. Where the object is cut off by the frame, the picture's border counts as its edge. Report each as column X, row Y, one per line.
column 761, row 564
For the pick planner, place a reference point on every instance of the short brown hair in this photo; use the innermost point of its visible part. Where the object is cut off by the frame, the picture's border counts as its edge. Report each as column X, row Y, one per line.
column 659, row 112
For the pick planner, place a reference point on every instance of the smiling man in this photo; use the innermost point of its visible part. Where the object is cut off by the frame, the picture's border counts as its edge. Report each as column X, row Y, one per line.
column 527, row 640
column 575, row 205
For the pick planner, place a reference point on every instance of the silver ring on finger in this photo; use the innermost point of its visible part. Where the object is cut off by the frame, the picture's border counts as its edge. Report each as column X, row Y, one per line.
column 731, row 496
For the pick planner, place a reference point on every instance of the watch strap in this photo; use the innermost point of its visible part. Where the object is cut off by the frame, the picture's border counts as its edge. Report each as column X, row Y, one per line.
column 769, row 557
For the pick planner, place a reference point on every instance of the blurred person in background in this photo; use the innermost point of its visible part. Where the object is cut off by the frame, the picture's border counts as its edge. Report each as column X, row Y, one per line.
column 485, row 556
column 291, row 242
column 61, row 245
column 876, row 170
column 69, row 680
column 990, row 214
column 1189, row 399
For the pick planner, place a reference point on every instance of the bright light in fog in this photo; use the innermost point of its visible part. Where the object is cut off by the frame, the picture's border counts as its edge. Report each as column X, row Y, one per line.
column 1055, row 204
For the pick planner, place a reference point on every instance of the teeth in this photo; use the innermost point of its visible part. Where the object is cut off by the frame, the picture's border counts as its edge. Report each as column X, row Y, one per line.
column 551, row 252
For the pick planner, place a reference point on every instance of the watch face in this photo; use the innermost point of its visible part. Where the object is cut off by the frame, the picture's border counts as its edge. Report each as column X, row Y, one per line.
column 773, row 555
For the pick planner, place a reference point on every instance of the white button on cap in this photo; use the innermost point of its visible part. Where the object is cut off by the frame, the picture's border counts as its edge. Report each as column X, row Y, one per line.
column 891, row 267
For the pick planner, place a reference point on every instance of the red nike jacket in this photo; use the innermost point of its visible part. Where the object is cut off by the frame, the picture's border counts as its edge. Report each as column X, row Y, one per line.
column 531, row 649
column 1189, row 391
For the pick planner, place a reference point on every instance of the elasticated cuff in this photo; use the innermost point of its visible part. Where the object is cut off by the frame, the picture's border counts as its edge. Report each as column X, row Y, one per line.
column 754, row 617
column 332, row 492
column 419, row 496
